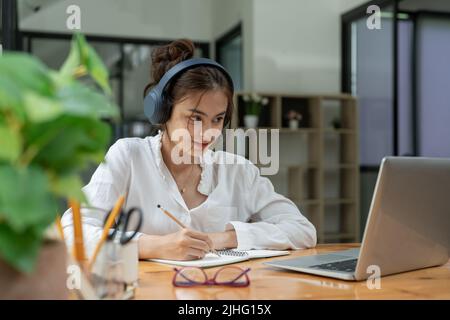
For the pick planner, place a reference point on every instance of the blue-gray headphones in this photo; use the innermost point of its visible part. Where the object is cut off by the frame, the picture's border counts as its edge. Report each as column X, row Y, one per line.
column 154, row 101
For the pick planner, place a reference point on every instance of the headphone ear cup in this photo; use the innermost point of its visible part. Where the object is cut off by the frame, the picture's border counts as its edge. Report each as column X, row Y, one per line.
column 152, row 107
column 157, row 112
column 166, row 110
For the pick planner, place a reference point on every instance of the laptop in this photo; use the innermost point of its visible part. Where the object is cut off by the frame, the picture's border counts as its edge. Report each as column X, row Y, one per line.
column 408, row 226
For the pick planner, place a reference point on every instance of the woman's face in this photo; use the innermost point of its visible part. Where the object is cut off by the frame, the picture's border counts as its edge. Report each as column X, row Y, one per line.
column 197, row 120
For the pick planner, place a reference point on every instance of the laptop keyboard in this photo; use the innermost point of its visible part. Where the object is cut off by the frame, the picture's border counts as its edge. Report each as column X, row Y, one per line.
column 345, row 265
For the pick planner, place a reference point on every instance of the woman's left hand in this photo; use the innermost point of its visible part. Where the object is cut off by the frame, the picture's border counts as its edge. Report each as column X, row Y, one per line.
column 224, row 240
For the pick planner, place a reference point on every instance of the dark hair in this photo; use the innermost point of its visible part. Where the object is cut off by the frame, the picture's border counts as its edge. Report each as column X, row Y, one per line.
column 198, row 79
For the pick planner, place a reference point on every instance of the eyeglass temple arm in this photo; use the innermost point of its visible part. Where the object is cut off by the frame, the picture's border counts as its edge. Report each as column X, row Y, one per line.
column 244, row 272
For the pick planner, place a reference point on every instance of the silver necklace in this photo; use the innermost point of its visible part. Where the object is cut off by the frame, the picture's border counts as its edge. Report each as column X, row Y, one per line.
column 183, row 189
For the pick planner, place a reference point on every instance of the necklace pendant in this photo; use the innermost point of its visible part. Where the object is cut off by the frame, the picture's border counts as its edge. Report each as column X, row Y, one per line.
column 183, row 190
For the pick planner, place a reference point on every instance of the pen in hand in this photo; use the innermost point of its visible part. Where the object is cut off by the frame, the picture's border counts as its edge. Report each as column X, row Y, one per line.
column 171, row 216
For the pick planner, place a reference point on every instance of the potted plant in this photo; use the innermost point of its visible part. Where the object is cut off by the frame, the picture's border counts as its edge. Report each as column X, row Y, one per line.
column 253, row 104
column 51, row 128
column 294, row 118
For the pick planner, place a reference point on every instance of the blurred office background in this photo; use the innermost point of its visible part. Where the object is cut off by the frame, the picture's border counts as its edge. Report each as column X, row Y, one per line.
column 301, row 54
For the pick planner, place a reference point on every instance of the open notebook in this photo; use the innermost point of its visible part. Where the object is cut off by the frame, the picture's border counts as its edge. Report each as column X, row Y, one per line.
column 226, row 257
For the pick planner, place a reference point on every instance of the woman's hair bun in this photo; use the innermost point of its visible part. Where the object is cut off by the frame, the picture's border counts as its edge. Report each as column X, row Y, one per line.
column 165, row 57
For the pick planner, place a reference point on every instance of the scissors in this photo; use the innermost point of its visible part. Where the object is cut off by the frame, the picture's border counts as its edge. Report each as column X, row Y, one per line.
column 122, row 223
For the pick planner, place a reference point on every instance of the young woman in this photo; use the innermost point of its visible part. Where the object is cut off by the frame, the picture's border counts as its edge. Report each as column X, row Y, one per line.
column 223, row 203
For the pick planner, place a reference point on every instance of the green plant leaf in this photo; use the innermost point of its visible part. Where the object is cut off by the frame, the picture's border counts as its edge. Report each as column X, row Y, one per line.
column 68, row 186
column 11, row 97
column 78, row 99
column 10, row 144
column 40, row 108
column 82, row 54
column 19, row 249
column 24, row 197
column 74, row 98
column 98, row 70
column 73, row 61
column 73, row 142
column 252, row 108
column 27, row 73
column 93, row 63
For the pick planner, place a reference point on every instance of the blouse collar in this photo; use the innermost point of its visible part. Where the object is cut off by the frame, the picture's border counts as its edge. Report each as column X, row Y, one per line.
column 205, row 185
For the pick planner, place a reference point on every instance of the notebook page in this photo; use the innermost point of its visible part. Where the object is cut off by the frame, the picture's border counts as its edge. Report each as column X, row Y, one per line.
column 255, row 254
column 226, row 257
column 210, row 260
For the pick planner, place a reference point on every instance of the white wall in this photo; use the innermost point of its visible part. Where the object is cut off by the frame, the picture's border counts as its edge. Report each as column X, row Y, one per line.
column 297, row 45
column 158, row 19
column 227, row 14
column 346, row 5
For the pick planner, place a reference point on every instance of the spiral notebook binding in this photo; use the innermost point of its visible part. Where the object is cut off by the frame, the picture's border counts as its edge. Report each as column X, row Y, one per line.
column 232, row 253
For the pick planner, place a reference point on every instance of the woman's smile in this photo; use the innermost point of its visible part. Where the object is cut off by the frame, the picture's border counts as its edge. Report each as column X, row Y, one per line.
column 200, row 145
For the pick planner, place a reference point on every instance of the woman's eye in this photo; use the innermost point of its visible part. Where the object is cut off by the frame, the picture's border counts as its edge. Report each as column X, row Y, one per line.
column 195, row 118
column 219, row 119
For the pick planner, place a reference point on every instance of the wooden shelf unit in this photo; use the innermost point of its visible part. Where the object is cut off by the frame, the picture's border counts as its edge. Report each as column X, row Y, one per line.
column 324, row 184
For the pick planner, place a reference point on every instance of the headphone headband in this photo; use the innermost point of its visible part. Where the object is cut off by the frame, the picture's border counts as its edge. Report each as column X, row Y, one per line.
column 154, row 101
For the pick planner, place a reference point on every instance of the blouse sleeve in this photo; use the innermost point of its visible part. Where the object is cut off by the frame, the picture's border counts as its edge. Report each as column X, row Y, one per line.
column 109, row 181
column 274, row 222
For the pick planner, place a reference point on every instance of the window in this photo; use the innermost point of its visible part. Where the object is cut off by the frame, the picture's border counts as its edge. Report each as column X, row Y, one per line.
column 229, row 54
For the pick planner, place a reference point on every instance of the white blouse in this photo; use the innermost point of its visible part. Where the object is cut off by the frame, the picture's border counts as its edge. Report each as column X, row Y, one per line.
column 237, row 197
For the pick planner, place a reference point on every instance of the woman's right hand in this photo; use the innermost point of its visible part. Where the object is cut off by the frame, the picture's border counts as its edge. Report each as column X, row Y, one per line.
column 185, row 244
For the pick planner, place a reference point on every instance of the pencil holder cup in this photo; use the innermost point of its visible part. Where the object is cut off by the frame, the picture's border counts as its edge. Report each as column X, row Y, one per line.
column 130, row 258
column 115, row 273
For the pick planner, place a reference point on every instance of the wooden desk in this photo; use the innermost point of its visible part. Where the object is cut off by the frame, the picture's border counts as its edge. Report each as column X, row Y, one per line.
column 155, row 282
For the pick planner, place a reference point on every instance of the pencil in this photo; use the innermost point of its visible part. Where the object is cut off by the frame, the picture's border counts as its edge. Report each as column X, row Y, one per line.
column 78, row 242
column 171, row 216
column 108, row 225
column 59, row 227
